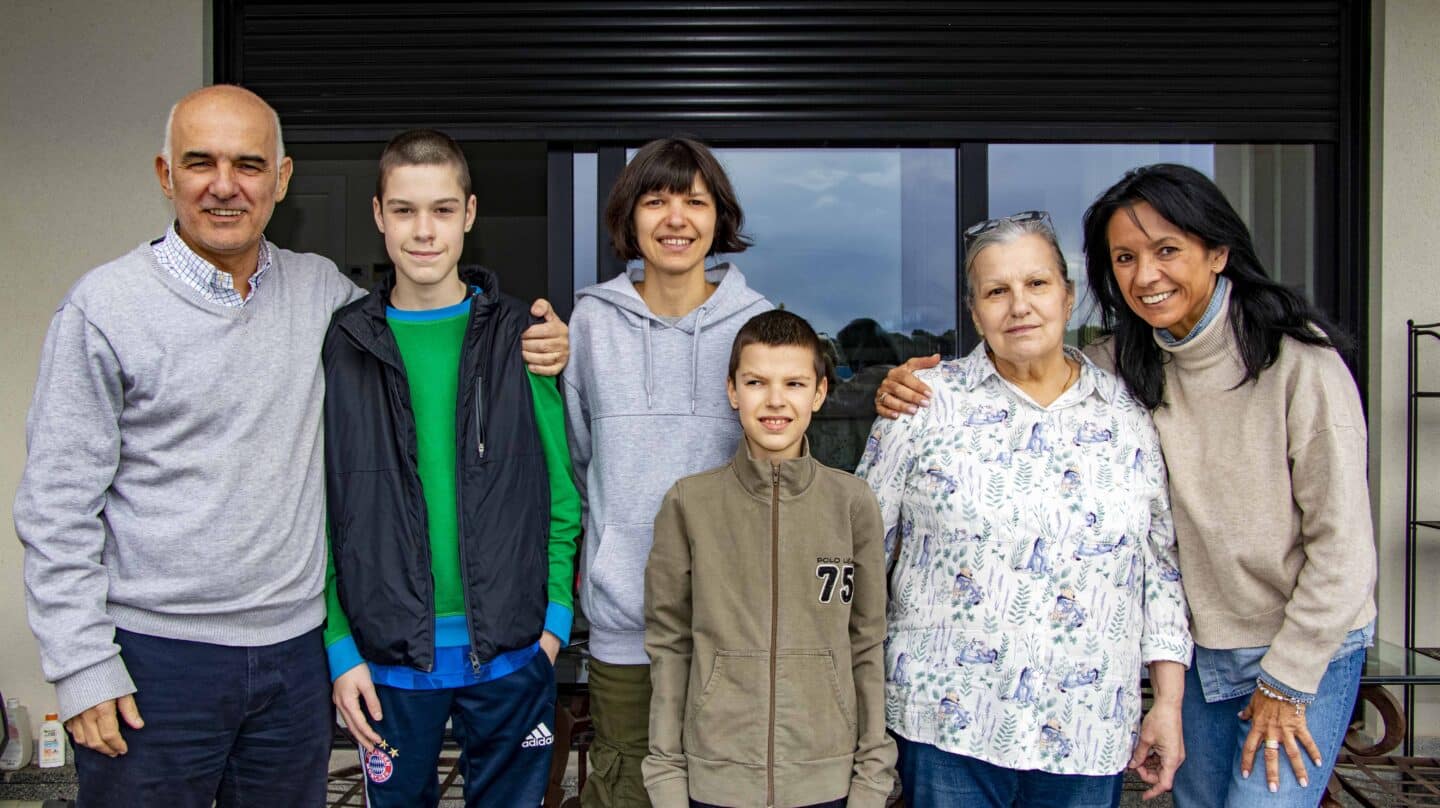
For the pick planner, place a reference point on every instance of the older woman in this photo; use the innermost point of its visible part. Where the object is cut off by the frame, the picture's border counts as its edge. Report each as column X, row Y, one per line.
column 1036, row 568
column 1265, row 441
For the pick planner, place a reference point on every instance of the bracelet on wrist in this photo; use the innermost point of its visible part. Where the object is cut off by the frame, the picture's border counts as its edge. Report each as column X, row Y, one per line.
column 1271, row 693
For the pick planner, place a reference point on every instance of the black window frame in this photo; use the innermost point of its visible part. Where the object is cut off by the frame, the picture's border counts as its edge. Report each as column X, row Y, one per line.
column 1298, row 72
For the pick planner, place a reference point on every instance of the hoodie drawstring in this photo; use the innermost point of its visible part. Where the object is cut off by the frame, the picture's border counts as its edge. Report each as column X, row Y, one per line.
column 649, row 369
column 695, row 358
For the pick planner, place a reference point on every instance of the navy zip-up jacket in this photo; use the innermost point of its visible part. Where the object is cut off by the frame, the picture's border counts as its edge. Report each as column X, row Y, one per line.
column 379, row 535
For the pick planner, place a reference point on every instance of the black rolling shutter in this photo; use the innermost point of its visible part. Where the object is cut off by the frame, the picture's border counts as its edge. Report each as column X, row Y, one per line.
column 1217, row 70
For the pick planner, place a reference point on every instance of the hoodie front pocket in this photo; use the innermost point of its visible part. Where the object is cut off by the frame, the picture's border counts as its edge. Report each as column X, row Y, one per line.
column 617, row 577
column 727, row 721
column 814, row 716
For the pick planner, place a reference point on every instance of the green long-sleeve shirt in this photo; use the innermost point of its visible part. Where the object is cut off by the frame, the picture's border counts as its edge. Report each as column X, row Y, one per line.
column 430, row 345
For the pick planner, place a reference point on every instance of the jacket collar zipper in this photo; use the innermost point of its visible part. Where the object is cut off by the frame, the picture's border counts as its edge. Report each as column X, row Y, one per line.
column 774, row 628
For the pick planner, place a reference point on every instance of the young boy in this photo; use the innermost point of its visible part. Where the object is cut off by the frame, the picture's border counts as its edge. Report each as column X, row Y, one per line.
column 645, row 407
column 453, row 516
column 765, row 607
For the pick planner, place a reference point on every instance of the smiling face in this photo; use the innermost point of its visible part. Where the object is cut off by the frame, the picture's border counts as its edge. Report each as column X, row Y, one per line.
column 222, row 174
column 775, row 392
column 1165, row 274
column 424, row 216
column 1021, row 301
column 674, row 230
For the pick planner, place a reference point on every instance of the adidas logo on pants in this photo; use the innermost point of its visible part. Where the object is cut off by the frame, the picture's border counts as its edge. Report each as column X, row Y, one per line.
column 540, row 736
column 502, row 727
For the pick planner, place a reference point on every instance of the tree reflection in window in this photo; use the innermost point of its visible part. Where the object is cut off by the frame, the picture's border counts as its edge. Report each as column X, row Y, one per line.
column 860, row 242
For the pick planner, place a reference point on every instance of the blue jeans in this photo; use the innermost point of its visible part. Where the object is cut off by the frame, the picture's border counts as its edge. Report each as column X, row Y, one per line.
column 504, row 729
column 224, row 725
column 934, row 778
column 1214, row 735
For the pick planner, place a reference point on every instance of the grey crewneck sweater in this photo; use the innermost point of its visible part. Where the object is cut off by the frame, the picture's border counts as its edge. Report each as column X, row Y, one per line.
column 174, row 481
column 1271, row 504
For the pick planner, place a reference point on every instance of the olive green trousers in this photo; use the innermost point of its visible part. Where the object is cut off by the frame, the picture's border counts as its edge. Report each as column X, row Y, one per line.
column 620, row 711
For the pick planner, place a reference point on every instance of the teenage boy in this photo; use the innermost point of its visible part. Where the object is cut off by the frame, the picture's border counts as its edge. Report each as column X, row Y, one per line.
column 769, row 685
column 453, row 516
column 645, row 407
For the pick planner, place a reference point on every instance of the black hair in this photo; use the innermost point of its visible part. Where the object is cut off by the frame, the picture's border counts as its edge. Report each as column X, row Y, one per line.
column 1262, row 311
column 670, row 165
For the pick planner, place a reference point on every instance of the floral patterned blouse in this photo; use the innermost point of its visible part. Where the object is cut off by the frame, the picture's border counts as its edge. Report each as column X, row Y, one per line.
column 1037, row 568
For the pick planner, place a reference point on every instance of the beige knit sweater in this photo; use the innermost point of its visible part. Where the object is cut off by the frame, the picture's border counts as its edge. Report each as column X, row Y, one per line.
column 1271, row 505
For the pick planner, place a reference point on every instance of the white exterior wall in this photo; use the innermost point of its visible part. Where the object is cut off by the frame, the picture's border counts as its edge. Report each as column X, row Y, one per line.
column 86, row 88
column 1405, row 284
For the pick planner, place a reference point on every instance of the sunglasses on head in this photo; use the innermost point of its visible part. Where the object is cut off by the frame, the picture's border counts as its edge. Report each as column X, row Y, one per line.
column 1023, row 216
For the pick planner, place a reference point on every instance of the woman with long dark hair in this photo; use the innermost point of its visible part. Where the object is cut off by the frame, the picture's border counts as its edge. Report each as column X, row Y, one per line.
column 1263, row 311
column 1265, row 441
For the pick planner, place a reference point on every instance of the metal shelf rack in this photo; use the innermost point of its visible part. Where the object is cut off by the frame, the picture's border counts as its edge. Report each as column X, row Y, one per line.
column 1414, row 525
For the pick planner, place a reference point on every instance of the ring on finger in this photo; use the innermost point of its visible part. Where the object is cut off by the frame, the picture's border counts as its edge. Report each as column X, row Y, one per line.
column 1272, row 744
column 883, row 396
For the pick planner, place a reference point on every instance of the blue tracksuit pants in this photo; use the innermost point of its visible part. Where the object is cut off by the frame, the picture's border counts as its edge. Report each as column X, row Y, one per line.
column 503, row 728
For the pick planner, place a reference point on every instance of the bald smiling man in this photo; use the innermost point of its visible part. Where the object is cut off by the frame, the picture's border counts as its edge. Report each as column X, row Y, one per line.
column 172, row 503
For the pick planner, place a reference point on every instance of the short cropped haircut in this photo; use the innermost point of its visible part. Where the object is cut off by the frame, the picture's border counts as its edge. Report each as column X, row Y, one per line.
column 422, row 147
column 671, row 165
column 777, row 328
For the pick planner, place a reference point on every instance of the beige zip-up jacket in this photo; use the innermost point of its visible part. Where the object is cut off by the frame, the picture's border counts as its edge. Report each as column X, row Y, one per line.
column 764, row 619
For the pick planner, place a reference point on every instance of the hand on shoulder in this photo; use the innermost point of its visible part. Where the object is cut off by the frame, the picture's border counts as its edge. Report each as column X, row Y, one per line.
column 902, row 392
column 545, row 346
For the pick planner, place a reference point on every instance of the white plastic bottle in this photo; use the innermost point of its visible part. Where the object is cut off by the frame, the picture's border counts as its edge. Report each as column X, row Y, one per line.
column 21, row 745
column 52, row 742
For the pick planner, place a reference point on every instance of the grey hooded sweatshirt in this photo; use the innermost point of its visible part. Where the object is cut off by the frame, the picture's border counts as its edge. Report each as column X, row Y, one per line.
column 646, row 405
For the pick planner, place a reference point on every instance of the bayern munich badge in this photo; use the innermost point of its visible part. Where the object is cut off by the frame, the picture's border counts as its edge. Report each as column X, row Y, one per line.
column 378, row 766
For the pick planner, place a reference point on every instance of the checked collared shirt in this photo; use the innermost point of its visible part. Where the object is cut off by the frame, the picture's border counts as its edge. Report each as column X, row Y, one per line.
column 214, row 285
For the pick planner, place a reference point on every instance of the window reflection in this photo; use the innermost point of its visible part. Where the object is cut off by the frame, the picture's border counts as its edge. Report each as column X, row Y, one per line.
column 585, row 220
column 1273, row 189
column 860, row 242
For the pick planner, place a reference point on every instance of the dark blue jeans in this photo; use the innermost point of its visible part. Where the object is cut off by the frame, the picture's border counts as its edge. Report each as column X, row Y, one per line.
column 934, row 778
column 503, row 727
column 228, row 726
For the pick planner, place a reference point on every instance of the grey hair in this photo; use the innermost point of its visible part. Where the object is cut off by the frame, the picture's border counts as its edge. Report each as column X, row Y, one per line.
column 165, row 148
column 1006, row 231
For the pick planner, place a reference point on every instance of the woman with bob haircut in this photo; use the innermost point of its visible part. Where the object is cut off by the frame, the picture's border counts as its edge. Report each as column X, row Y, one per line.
column 1265, row 441
column 1036, row 558
column 671, row 164
column 647, row 405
